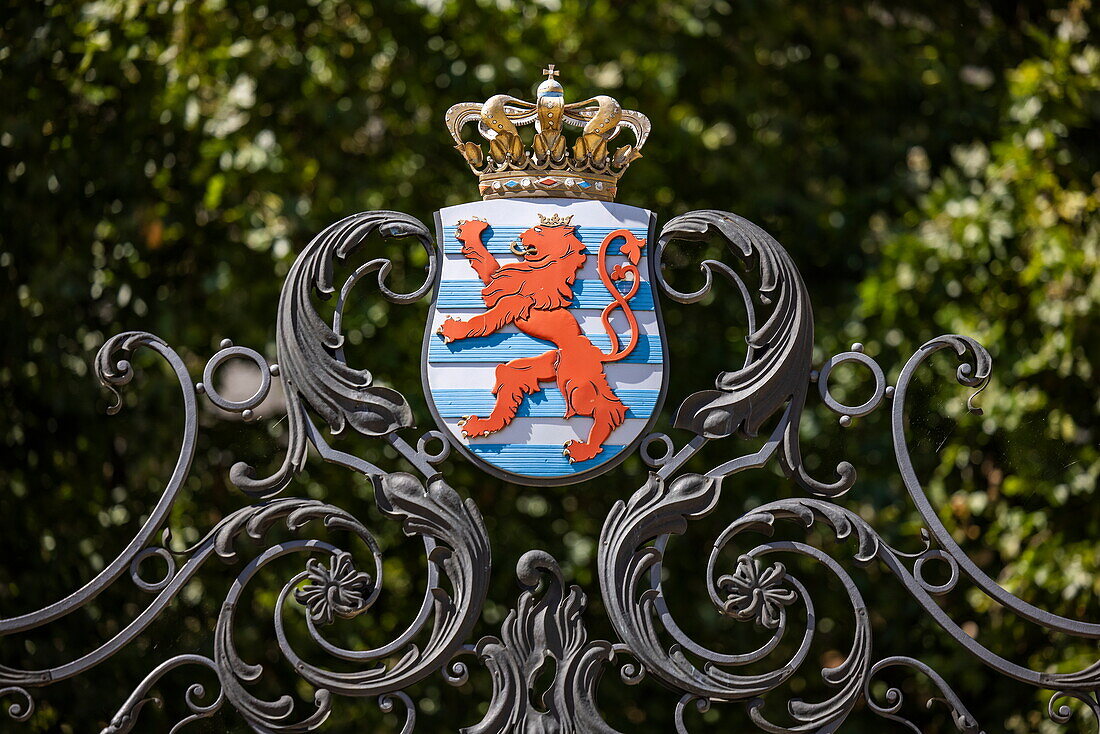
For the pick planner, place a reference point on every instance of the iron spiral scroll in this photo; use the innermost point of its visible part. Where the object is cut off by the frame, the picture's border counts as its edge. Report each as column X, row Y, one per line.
column 547, row 623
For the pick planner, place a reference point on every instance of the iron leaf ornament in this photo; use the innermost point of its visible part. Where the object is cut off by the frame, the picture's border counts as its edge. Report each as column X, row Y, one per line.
column 544, row 363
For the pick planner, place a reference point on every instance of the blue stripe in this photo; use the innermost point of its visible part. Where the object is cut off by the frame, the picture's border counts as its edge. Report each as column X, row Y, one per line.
column 536, row 460
column 586, row 294
column 546, row 403
column 497, row 348
column 498, row 240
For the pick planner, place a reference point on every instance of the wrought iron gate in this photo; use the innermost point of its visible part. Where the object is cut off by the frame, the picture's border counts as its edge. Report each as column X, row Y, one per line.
column 547, row 621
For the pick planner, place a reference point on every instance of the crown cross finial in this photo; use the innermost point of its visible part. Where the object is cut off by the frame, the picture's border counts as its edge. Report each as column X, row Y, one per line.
column 551, row 72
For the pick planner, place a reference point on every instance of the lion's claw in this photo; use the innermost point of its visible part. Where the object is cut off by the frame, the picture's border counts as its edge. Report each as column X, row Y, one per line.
column 444, row 328
column 578, row 451
column 475, row 427
column 470, row 229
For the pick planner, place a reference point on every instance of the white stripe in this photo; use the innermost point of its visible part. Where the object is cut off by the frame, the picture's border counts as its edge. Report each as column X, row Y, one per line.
column 483, row 376
column 551, row 431
column 524, row 211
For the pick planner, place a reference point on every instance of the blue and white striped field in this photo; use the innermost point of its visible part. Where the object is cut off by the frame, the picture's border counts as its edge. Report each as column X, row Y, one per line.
column 462, row 374
column 587, row 294
column 534, row 460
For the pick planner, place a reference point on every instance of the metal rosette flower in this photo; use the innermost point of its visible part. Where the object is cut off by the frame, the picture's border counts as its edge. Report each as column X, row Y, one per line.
column 756, row 594
column 336, row 590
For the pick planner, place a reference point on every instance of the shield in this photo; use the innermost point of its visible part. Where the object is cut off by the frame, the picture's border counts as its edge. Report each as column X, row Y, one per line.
column 544, row 359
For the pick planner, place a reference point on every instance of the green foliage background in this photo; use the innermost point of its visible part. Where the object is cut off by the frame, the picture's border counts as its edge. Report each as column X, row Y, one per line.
column 931, row 166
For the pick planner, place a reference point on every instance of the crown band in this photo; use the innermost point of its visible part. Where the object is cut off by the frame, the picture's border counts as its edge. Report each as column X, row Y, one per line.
column 549, row 166
column 528, row 183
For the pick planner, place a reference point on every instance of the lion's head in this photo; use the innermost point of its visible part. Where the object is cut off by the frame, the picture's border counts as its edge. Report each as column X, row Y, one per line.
column 543, row 244
column 551, row 258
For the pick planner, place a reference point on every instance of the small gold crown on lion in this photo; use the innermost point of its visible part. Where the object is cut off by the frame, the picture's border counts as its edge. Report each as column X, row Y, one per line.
column 549, row 166
column 554, row 220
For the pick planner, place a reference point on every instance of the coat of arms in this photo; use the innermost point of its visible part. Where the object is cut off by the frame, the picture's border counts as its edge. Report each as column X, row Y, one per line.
column 544, row 358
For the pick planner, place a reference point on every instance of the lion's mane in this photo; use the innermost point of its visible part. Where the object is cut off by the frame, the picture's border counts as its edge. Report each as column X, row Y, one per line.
column 549, row 284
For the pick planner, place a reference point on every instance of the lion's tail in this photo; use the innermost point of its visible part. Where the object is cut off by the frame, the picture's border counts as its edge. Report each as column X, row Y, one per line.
column 632, row 248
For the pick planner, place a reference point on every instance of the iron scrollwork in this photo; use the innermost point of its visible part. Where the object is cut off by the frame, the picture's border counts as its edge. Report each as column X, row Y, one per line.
column 545, row 627
column 539, row 632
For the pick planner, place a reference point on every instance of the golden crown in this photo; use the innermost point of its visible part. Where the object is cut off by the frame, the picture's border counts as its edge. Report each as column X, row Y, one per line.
column 549, row 166
column 554, row 220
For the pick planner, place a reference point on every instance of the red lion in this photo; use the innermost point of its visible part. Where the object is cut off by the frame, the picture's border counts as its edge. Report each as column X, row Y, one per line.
column 534, row 294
